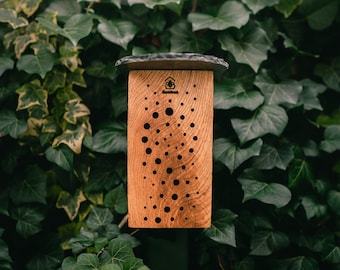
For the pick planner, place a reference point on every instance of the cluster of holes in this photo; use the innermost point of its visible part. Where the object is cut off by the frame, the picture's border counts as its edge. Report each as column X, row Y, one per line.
column 169, row 112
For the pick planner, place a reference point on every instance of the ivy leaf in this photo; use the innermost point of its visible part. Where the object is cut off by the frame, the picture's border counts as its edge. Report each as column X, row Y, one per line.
column 5, row 63
column 33, row 188
column 54, row 79
column 278, row 93
column 233, row 156
column 152, row 3
column 257, row 5
column 111, row 266
column 74, row 110
column 222, row 229
column 120, row 250
column 330, row 73
column 231, row 94
column 264, row 243
column 41, row 63
column 320, row 15
column 73, row 138
column 28, row 220
column 230, row 14
column 99, row 217
column 69, row 263
column 184, row 40
column 312, row 208
column 287, row 7
column 110, row 139
column 331, row 253
column 61, row 156
column 302, row 263
column 10, row 124
column 117, row 200
column 266, row 119
column 76, row 27
column 70, row 203
column 31, row 94
column 4, row 255
column 271, row 157
column 331, row 140
column 333, row 201
column 309, row 95
column 249, row 45
column 88, row 261
column 269, row 193
column 119, row 32
column 10, row 16
column 119, row 100
column 300, row 173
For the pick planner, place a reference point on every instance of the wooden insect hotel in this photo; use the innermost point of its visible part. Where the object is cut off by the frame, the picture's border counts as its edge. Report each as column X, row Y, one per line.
column 170, row 138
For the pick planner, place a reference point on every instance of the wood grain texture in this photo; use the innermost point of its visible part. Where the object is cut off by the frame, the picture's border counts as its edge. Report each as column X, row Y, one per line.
column 170, row 118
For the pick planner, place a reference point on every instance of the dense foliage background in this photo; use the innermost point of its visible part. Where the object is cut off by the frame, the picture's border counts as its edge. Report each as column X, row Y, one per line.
column 276, row 185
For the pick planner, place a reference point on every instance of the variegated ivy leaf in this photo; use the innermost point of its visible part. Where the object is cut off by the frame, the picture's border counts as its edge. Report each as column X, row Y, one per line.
column 54, row 79
column 30, row 7
column 74, row 110
column 76, row 78
column 70, row 203
column 249, row 45
column 230, row 14
column 31, row 94
column 10, row 16
column 287, row 7
column 152, row 3
column 73, row 138
column 21, row 42
column 34, row 127
column 69, row 56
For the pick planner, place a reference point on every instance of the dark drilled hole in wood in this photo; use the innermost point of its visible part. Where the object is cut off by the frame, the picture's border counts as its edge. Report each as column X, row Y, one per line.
column 147, row 126
column 195, row 138
column 155, row 115
column 157, row 130
column 169, row 111
column 148, row 150
column 145, row 218
column 158, row 161
column 183, row 167
column 176, row 182
column 181, row 208
column 154, row 172
column 158, row 220
column 157, row 103
column 166, row 209
column 145, row 139
column 163, row 182
column 191, row 150
column 167, row 124
column 169, row 170
column 154, row 206
column 187, row 182
column 182, row 117
column 144, row 163
column 161, row 195
column 187, row 195
column 156, row 143
column 192, row 125
column 179, row 157
column 172, row 218
column 174, row 197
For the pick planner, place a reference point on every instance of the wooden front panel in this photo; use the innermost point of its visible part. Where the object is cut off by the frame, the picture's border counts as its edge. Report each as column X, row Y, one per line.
column 170, row 118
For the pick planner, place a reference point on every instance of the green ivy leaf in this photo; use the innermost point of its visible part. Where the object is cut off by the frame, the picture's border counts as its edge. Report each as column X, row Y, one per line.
column 330, row 73
column 230, row 14
column 287, row 7
column 10, row 16
column 257, row 5
column 69, row 263
column 278, row 93
column 120, row 250
column 28, row 220
column 110, row 266
column 184, row 40
column 312, row 208
column 269, row 193
column 54, row 79
column 110, row 139
column 69, row 203
column 264, row 243
column 40, row 63
column 5, row 63
column 152, row 3
column 74, row 110
column 266, row 119
column 233, row 156
column 88, row 261
column 117, row 200
column 222, row 229
column 76, row 27
column 331, row 253
column 33, row 188
column 61, row 156
column 331, row 140
column 300, row 173
column 119, row 100
column 309, row 95
column 99, row 217
column 134, row 264
column 271, row 157
column 10, row 124
column 249, row 45
column 325, row 120
column 302, row 263
column 320, row 15
column 232, row 94
column 4, row 254
column 333, row 200
column 119, row 32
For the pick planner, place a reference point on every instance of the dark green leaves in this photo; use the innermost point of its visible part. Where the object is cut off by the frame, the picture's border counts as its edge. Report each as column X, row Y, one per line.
column 264, row 243
column 300, row 173
column 10, row 124
column 330, row 73
column 266, row 119
column 99, row 217
column 331, row 140
column 230, row 14
column 76, row 27
column 118, row 32
column 222, row 229
column 233, row 156
column 61, row 156
column 5, row 64
column 117, row 200
column 270, row 193
column 249, row 45
column 257, row 5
